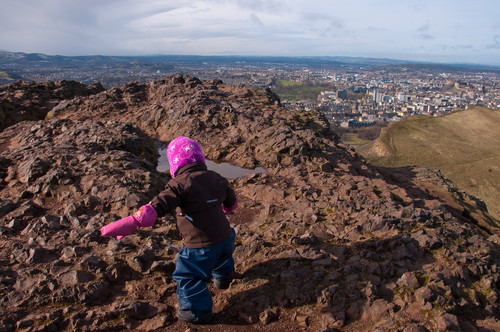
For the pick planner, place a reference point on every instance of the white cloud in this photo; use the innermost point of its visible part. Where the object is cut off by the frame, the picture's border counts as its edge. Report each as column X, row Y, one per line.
column 495, row 44
column 255, row 19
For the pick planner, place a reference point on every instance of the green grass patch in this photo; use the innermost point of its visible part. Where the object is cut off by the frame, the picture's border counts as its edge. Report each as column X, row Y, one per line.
column 295, row 91
column 4, row 76
column 287, row 84
column 354, row 140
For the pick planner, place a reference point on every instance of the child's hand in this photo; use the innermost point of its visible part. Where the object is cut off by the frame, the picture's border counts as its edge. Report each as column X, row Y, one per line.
column 230, row 208
column 144, row 217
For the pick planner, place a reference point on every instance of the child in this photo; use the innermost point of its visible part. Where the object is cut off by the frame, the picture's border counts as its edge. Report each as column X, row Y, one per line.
column 199, row 198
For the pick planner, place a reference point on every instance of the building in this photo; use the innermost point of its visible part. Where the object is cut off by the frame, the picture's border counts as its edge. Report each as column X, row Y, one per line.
column 342, row 94
column 325, row 95
column 377, row 96
column 403, row 97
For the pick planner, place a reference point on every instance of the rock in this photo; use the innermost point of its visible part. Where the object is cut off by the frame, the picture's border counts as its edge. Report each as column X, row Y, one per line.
column 414, row 328
column 95, row 293
column 448, row 322
column 40, row 255
column 377, row 310
column 32, row 169
column 158, row 322
column 93, row 263
column 28, row 208
column 25, row 323
column 72, row 252
column 165, row 266
column 142, row 262
column 6, row 206
column 354, row 311
column 429, row 242
column 75, row 277
column 409, row 280
column 69, row 294
column 119, row 272
column 325, row 262
column 467, row 327
column 333, row 321
column 17, row 225
column 269, row 315
column 426, row 294
column 140, row 310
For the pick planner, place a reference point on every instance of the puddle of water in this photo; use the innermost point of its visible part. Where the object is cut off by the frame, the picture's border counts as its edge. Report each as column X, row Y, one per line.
column 227, row 170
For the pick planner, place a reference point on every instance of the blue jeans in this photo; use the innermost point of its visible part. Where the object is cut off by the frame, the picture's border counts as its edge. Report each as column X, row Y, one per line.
column 195, row 267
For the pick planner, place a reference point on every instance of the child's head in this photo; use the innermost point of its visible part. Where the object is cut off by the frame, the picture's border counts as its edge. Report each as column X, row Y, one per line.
column 183, row 151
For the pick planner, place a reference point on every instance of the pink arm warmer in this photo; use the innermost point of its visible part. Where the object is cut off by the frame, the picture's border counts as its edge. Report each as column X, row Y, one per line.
column 144, row 217
column 122, row 227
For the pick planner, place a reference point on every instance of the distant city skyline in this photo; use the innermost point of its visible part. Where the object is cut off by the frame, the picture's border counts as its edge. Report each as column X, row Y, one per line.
column 442, row 31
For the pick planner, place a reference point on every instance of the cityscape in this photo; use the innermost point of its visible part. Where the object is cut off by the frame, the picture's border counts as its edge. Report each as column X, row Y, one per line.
column 351, row 92
column 366, row 97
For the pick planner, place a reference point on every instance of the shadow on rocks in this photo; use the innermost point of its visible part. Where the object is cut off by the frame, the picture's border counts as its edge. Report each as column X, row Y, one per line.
column 335, row 284
column 428, row 188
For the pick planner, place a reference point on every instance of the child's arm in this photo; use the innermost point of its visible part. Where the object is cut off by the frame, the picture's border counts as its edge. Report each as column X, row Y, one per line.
column 167, row 200
column 144, row 217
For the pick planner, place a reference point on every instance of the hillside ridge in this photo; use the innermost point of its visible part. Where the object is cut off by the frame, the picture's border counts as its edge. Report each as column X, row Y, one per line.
column 464, row 145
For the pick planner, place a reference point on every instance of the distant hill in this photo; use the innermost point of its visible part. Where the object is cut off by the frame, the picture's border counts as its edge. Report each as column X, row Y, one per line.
column 22, row 60
column 465, row 145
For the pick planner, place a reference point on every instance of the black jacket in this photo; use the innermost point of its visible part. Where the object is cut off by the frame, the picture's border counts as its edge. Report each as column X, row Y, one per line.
column 196, row 195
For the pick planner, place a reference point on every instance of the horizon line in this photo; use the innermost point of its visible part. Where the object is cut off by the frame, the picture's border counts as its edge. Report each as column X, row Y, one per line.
column 433, row 62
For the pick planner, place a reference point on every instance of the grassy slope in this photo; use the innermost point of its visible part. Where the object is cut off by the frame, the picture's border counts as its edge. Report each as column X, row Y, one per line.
column 5, row 76
column 354, row 140
column 464, row 144
column 295, row 91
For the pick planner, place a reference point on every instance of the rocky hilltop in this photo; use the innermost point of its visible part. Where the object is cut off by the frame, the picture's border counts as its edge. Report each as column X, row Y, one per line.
column 325, row 242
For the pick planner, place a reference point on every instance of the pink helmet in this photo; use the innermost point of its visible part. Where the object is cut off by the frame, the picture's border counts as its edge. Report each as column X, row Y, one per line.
column 183, row 151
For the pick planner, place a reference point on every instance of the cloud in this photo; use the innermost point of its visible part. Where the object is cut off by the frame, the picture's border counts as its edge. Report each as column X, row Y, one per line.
column 266, row 6
column 425, row 36
column 423, row 32
column 462, row 47
column 255, row 19
column 322, row 18
column 496, row 43
column 375, row 29
column 424, row 28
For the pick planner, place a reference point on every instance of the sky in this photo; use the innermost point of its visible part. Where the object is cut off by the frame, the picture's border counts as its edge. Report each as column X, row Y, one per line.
column 444, row 31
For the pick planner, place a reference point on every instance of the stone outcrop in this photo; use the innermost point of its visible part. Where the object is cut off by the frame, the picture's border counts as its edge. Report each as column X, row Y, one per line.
column 324, row 241
column 32, row 101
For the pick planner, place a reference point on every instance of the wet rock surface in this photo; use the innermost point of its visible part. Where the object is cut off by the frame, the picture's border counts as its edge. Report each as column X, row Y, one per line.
column 325, row 242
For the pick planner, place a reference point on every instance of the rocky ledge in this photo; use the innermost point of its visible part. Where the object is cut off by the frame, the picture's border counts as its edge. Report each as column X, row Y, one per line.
column 325, row 242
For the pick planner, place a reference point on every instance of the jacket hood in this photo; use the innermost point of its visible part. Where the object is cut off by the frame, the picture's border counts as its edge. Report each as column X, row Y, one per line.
column 183, row 151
